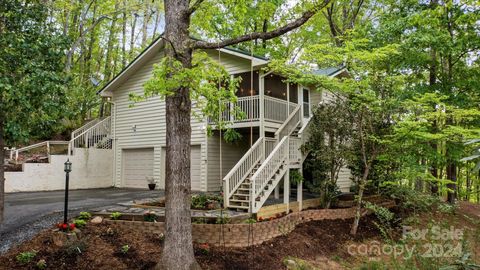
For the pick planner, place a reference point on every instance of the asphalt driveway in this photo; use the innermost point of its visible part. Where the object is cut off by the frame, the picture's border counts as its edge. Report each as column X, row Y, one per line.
column 27, row 213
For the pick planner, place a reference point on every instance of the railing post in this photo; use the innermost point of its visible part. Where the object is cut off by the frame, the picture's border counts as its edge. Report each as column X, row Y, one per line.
column 48, row 148
column 11, row 153
column 16, row 155
column 226, row 191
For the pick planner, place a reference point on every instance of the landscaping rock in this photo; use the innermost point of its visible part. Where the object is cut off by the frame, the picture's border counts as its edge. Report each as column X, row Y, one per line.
column 96, row 220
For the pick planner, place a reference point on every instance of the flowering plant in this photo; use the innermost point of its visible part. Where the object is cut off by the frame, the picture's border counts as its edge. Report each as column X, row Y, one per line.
column 65, row 227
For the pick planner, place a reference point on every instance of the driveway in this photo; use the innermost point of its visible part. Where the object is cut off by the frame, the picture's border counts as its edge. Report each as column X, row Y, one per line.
column 27, row 213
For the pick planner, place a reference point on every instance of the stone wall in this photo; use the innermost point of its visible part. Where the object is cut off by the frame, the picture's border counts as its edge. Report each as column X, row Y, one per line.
column 243, row 235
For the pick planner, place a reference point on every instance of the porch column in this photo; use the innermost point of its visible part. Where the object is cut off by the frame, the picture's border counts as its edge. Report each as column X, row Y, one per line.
column 276, row 193
column 288, row 99
column 286, row 190
column 300, row 193
column 261, row 101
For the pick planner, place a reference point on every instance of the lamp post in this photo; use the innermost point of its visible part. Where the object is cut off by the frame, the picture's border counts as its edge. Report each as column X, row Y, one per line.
column 67, row 169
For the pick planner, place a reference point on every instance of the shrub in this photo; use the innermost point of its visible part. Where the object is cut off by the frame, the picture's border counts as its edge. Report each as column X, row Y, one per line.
column 150, row 216
column 116, row 215
column 75, row 248
column 26, row 257
column 84, row 216
column 385, row 220
column 79, row 223
column 223, row 219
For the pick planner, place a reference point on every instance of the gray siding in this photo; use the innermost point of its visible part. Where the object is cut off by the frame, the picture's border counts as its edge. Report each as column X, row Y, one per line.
column 231, row 154
column 148, row 118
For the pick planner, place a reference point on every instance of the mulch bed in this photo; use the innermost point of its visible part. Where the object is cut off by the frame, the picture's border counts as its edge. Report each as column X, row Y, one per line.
column 101, row 248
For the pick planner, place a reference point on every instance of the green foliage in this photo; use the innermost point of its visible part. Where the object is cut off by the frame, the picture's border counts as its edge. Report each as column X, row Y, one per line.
column 385, row 220
column 211, row 87
column 124, row 249
column 224, row 219
column 115, row 215
column 410, row 200
column 26, row 257
column 296, row 177
column 150, row 216
column 201, row 201
column 84, row 216
column 32, row 81
column 79, row 223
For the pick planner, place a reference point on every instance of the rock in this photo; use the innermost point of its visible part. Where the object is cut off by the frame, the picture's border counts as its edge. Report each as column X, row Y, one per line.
column 96, row 220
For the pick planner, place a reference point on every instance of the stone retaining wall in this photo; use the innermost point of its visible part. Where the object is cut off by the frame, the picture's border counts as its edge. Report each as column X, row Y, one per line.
column 243, row 235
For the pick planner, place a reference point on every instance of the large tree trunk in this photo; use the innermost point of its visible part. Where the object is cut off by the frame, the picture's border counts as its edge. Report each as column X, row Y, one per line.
column 178, row 249
column 112, row 38
column 452, row 176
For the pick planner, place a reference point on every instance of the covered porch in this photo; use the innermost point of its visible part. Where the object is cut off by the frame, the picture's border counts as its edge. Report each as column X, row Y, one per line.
column 265, row 100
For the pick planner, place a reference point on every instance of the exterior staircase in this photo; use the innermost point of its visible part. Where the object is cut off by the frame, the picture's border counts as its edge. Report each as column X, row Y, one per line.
column 251, row 181
column 94, row 134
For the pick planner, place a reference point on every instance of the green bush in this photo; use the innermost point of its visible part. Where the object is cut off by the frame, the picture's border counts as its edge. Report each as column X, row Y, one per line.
column 84, row 216
column 116, row 215
column 79, row 223
column 26, row 257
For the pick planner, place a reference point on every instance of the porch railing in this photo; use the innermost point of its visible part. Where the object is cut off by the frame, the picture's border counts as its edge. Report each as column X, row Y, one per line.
column 292, row 122
column 275, row 110
column 83, row 128
column 46, row 144
column 294, row 152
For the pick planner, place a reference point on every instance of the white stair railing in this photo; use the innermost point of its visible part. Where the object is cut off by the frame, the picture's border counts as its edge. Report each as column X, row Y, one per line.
column 242, row 169
column 266, row 172
column 83, row 128
column 292, row 122
column 92, row 136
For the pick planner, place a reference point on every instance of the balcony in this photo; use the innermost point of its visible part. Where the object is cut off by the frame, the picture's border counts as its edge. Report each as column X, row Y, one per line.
column 275, row 112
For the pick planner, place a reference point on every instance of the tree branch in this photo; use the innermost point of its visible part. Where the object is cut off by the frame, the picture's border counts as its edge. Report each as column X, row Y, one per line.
column 195, row 6
column 263, row 35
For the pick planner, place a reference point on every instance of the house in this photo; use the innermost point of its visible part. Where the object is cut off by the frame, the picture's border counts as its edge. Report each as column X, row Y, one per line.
column 130, row 143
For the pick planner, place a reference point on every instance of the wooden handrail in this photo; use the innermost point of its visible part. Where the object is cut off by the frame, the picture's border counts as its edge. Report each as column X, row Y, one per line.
column 288, row 121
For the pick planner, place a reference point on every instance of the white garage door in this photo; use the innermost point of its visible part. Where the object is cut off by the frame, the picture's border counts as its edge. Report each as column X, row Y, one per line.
column 137, row 166
column 195, row 167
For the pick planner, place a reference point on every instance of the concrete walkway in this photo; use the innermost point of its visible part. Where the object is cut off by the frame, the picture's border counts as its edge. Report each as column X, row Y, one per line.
column 27, row 213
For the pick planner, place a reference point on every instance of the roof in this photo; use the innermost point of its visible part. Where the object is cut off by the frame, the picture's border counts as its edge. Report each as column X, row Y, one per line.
column 157, row 45
column 331, row 71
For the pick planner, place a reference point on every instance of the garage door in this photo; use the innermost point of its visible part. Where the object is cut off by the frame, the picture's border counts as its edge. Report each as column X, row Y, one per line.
column 137, row 166
column 195, row 167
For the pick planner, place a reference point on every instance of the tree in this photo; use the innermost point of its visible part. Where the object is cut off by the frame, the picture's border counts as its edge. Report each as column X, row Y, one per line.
column 32, row 82
column 329, row 143
column 179, row 48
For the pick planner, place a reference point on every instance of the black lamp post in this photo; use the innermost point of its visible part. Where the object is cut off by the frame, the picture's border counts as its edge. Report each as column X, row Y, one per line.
column 67, row 169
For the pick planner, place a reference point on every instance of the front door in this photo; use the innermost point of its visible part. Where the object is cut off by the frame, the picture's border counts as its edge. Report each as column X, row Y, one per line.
column 306, row 103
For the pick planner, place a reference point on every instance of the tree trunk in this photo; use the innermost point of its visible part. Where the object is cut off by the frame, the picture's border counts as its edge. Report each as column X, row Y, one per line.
column 124, row 35
column 469, row 185
column 132, row 35
column 146, row 19
column 452, row 176
column 111, row 41
column 178, row 248
column 358, row 211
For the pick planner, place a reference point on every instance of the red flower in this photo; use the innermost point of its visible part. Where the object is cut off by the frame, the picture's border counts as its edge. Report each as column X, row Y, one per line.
column 72, row 226
column 260, row 219
column 64, row 226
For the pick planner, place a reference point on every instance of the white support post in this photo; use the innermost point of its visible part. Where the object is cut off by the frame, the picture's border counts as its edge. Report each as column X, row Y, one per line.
column 288, row 100
column 300, row 193
column 261, row 101
column 16, row 155
column 276, row 193
column 11, row 153
column 48, row 148
column 286, row 190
